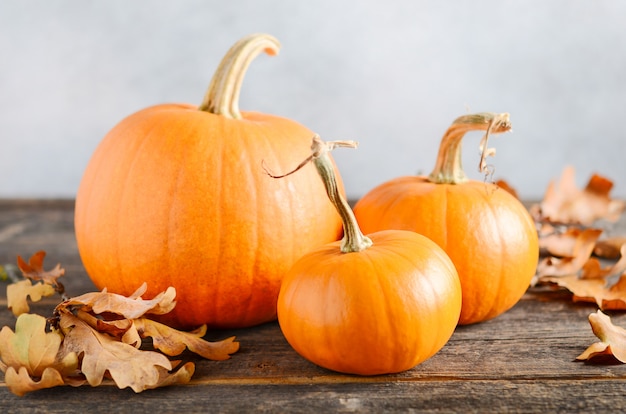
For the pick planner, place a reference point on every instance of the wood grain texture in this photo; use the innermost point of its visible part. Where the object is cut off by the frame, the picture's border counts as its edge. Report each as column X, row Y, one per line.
column 522, row 361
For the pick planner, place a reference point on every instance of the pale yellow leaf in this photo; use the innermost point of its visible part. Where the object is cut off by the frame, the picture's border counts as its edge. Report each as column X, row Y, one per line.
column 30, row 346
column 180, row 376
column 19, row 381
column 19, row 292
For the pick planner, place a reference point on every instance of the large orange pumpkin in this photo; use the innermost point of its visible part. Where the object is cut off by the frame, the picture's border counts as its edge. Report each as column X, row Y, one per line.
column 488, row 233
column 175, row 195
column 368, row 305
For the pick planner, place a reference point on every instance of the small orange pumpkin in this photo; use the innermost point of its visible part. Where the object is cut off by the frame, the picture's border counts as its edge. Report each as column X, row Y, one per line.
column 368, row 305
column 175, row 195
column 488, row 233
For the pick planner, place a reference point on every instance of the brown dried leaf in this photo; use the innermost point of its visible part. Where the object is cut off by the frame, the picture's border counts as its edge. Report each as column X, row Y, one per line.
column 583, row 290
column 610, row 248
column 612, row 339
column 581, row 252
column 619, row 267
column 180, row 376
column 564, row 203
column 19, row 292
column 33, row 270
column 116, row 328
column 129, row 307
column 593, row 269
column 101, row 354
column 560, row 244
column 615, row 297
column 173, row 342
column 592, row 283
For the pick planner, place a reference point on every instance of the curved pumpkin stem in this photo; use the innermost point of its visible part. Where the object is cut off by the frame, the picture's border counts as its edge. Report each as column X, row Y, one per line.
column 353, row 239
column 222, row 96
column 448, row 168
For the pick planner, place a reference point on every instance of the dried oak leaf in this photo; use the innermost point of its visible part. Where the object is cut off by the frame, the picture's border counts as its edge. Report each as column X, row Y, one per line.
column 565, row 203
column 131, row 307
column 120, row 329
column 592, row 283
column 173, row 342
column 19, row 292
column 33, row 270
column 19, row 382
column 31, row 357
column 98, row 336
column 560, row 244
column 569, row 265
column 103, row 355
column 182, row 375
column 593, row 268
column 612, row 339
column 582, row 289
column 615, row 298
column 610, row 247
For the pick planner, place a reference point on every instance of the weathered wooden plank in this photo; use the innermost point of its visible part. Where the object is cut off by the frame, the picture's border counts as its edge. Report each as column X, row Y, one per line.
column 522, row 361
column 436, row 396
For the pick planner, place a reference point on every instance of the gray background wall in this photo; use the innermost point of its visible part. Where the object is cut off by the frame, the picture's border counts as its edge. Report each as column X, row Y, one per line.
column 392, row 75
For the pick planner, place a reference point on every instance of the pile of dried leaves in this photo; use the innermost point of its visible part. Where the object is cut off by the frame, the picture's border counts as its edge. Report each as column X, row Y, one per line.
column 95, row 336
column 571, row 223
column 575, row 255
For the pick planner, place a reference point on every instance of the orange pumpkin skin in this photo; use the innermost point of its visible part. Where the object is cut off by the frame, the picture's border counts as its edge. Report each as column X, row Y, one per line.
column 381, row 310
column 176, row 196
column 488, row 234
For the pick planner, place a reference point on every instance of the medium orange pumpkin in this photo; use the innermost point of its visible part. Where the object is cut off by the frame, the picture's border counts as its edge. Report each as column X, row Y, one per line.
column 368, row 305
column 487, row 232
column 175, row 195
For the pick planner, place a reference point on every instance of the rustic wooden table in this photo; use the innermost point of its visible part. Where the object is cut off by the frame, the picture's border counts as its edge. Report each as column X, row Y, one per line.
column 523, row 361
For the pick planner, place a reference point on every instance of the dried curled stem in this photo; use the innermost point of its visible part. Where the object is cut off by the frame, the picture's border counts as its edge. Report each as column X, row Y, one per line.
column 448, row 168
column 353, row 239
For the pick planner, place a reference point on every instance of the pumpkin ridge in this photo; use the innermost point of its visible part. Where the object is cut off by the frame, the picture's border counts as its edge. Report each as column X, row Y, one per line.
column 376, row 198
column 171, row 267
column 144, row 141
column 393, row 333
column 382, row 312
column 216, row 288
column 405, row 256
column 253, row 239
column 272, row 144
column 502, row 254
column 434, row 347
column 448, row 218
column 482, row 193
column 389, row 207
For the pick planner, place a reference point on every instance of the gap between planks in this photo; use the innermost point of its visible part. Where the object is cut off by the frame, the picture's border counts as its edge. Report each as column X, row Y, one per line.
column 345, row 379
